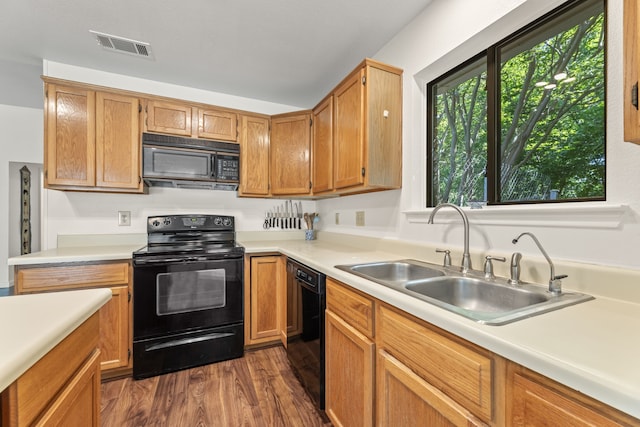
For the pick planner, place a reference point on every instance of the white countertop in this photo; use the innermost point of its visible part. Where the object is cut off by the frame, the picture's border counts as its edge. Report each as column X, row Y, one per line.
column 591, row 347
column 76, row 254
column 32, row 325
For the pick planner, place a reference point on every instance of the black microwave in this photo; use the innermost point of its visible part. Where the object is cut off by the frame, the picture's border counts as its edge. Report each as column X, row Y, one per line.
column 169, row 161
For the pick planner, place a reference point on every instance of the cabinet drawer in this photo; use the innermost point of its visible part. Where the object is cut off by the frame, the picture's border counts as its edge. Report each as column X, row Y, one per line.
column 353, row 307
column 463, row 373
column 38, row 279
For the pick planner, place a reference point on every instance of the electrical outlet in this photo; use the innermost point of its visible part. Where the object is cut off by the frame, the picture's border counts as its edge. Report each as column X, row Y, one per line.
column 124, row 217
column 360, row 218
column 337, row 218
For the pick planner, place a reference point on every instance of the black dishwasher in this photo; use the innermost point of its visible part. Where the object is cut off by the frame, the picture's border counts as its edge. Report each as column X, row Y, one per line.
column 306, row 300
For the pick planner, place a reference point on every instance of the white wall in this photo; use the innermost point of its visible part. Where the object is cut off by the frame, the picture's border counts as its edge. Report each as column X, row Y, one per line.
column 21, row 135
column 443, row 36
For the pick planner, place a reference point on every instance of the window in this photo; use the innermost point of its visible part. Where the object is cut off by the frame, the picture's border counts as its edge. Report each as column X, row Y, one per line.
column 524, row 121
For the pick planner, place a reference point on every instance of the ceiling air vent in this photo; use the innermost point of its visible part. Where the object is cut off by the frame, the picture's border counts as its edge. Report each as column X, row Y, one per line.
column 123, row 45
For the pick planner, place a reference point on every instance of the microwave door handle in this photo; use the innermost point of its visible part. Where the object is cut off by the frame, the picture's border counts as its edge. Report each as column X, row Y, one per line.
column 214, row 172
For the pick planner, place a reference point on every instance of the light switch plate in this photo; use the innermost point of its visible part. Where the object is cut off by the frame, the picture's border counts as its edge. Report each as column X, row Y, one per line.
column 360, row 218
column 124, row 218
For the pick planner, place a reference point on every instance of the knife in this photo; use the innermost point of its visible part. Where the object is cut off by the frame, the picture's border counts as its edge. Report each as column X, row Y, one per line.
column 286, row 215
column 290, row 214
column 299, row 215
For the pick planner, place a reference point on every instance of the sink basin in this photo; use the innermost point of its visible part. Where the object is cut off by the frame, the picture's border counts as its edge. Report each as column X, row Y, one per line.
column 393, row 272
column 492, row 302
column 477, row 295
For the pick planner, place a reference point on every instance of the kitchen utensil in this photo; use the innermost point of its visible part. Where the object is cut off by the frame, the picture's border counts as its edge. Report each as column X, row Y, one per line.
column 299, row 215
column 306, row 221
column 291, row 224
column 266, row 221
column 286, row 215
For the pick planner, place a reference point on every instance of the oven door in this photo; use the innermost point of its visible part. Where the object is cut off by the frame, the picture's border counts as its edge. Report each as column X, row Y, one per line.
column 179, row 295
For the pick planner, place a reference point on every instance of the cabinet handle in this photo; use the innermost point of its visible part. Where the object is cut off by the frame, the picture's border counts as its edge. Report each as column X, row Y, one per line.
column 634, row 95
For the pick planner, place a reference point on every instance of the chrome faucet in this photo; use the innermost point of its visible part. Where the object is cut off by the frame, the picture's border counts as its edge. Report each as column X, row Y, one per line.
column 466, row 258
column 555, row 283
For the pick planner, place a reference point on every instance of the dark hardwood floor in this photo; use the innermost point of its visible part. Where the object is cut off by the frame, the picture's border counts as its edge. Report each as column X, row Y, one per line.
column 257, row 390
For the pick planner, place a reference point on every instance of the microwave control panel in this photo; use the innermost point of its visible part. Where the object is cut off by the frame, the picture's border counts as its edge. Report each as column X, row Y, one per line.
column 227, row 167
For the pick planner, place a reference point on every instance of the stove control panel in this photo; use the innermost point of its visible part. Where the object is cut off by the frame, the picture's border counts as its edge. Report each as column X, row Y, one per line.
column 177, row 223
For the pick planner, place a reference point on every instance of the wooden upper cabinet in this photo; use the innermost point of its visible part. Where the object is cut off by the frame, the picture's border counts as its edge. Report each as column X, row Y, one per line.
column 169, row 117
column 92, row 140
column 117, row 141
column 349, row 143
column 631, row 66
column 69, row 137
column 193, row 121
column 254, row 156
column 368, row 129
column 217, row 124
column 322, row 147
column 289, row 150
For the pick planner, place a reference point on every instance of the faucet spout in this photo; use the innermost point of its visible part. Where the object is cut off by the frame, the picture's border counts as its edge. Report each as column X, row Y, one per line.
column 466, row 258
column 555, row 286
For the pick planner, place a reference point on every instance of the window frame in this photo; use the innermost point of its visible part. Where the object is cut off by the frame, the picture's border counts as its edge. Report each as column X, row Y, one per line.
column 492, row 57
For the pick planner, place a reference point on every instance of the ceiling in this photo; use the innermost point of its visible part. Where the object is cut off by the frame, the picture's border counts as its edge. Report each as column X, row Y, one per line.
column 284, row 51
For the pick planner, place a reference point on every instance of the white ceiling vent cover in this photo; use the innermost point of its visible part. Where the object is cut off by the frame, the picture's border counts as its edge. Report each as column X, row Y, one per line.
column 123, row 45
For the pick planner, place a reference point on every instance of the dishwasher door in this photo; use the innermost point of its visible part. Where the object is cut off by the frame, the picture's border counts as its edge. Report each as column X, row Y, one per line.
column 306, row 303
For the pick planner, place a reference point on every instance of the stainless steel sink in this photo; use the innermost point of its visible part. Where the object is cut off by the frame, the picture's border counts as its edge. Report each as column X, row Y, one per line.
column 492, row 302
column 477, row 295
column 394, row 271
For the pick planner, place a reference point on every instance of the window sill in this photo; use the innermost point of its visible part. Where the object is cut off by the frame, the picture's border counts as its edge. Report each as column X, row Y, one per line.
column 579, row 215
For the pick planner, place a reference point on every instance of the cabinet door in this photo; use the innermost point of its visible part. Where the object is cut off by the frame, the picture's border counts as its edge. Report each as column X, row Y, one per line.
column 322, row 152
column 265, row 298
column 349, row 364
column 254, row 156
column 631, row 71
column 405, row 399
column 167, row 117
column 533, row 403
column 79, row 402
column 348, row 155
column 70, row 137
column 216, row 124
column 289, row 152
column 114, row 330
column 117, row 141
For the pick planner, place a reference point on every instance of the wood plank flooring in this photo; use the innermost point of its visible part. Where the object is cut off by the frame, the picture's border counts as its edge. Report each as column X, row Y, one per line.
column 258, row 389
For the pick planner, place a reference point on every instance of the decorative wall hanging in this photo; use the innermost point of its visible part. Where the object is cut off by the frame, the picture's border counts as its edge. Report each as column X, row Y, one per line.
column 25, row 212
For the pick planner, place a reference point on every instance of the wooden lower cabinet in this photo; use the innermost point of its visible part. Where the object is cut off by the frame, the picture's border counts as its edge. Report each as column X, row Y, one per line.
column 534, row 400
column 403, row 398
column 62, row 388
column 349, row 363
column 349, row 357
column 265, row 299
column 429, row 377
column 114, row 326
column 455, row 379
column 116, row 316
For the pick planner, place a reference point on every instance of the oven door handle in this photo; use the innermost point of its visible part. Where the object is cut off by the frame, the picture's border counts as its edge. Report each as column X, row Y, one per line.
column 159, row 261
